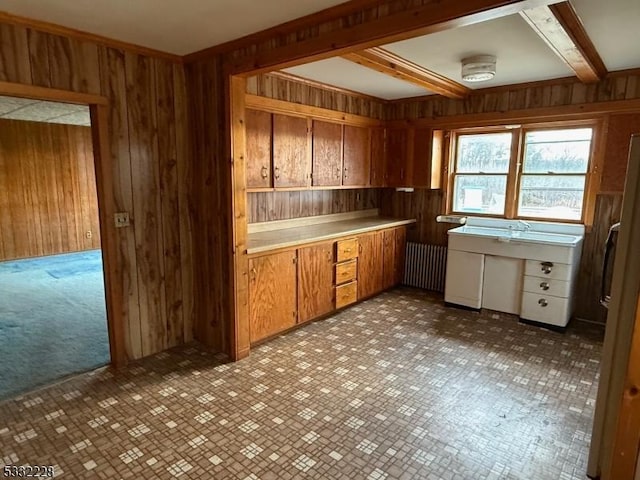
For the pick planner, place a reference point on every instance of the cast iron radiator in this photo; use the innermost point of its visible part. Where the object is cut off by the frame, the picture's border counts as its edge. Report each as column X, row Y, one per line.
column 425, row 266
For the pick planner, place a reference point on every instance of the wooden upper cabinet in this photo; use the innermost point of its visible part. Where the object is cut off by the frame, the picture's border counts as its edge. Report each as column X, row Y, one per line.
column 315, row 281
column 397, row 157
column 357, row 156
column 272, row 294
column 421, row 161
column 291, row 162
column 327, row 154
column 370, row 267
column 259, row 161
column 377, row 157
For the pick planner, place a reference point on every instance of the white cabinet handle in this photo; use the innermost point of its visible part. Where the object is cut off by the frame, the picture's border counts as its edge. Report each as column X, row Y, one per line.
column 544, row 285
column 546, row 267
column 543, row 302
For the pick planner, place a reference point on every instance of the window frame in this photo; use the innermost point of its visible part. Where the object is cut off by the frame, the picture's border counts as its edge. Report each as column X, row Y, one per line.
column 516, row 170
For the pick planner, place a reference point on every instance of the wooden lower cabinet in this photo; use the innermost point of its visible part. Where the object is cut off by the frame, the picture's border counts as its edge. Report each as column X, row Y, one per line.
column 315, row 281
column 296, row 286
column 272, row 294
column 370, row 264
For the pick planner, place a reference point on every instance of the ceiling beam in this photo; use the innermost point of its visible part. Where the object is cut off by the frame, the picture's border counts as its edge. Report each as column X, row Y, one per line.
column 393, row 23
column 561, row 28
column 386, row 62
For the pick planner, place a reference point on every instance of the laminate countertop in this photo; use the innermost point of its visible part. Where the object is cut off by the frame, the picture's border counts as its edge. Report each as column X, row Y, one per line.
column 263, row 241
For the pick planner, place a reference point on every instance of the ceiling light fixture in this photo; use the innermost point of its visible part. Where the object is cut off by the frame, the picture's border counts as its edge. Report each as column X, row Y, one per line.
column 478, row 68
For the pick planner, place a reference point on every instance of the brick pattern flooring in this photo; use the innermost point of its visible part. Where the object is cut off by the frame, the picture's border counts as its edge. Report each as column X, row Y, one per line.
column 398, row 387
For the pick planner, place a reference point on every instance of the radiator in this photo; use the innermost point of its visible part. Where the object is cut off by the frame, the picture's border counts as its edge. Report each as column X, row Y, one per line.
column 425, row 266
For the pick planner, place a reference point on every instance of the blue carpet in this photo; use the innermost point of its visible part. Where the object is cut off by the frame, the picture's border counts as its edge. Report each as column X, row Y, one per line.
column 53, row 319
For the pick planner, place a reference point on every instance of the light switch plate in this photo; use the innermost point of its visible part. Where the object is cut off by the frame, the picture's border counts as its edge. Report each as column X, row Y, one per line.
column 122, row 219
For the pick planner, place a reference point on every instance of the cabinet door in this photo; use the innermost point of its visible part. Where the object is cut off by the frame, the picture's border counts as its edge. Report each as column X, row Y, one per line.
column 421, row 168
column 258, row 127
column 400, row 253
column 502, row 284
column 389, row 258
column 397, row 157
column 315, row 281
column 370, row 264
column 327, row 154
column 377, row 157
column 463, row 283
column 291, row 162
column 272, row 294
column 357, row 156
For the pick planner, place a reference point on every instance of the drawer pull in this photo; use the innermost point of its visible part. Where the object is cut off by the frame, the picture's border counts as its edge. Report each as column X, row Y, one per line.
column 546, row 267
column 265, row 171
column 543, row 302
column 348, row 250
column 544, row 285
column 276, row 172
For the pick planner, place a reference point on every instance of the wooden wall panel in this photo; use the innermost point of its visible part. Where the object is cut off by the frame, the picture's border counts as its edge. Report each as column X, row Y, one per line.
column 210, row 205
column 49, row 199
column 270, row 206
column 619, row 132
column 151, row 165
column 279, row 88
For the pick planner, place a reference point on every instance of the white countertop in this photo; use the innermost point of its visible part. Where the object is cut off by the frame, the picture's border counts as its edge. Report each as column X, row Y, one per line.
column 313, row 229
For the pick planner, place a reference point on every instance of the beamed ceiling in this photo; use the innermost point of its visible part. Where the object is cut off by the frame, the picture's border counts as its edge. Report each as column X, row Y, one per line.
column 581, row 38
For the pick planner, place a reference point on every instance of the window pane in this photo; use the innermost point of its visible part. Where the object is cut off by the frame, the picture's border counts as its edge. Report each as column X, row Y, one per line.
column 557, row 151
column 486, row 153
column 551, row 196
column 479, row 193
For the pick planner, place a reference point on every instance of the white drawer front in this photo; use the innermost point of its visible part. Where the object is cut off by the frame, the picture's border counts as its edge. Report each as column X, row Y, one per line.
column 545, row 309
column 556, row 271
column 546, row 286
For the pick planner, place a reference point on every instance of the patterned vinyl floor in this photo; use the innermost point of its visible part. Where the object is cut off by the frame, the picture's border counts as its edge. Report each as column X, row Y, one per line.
column 398, row 387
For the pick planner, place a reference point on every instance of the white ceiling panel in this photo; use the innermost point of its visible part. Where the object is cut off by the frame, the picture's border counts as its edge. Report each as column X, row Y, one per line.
column 345, row 74
column 14, row 108
column 614, row 29
column 521, row 55
column 175, row 27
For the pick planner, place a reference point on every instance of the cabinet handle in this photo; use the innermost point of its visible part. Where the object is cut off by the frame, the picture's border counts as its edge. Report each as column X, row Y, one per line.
column 265, row 172
column 546, row 267
column 543, row 302
column 276, row 172
column 347, row 250
column 360, row 248
column 337, row 172
column 544, row 285
column 345, row 172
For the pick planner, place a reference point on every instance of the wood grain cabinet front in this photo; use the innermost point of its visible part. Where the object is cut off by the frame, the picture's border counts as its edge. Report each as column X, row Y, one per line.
column 346, row 271
column 346, row 294
column 327, row 154
column 259, row 139
column 346, row 249
column 370, row 264
column 272, row 294
column 315, row 281
column 291, row 152
column 357, row 156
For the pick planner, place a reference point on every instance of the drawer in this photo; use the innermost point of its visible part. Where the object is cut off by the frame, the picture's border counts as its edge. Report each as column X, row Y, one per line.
column 546, row 286
column 556, row 271
column 346, row 294
column 346, row 271
column 346, row 249
column 545, row 309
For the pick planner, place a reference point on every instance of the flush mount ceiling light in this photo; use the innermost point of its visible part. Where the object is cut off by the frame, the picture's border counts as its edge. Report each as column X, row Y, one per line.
column 478, row 68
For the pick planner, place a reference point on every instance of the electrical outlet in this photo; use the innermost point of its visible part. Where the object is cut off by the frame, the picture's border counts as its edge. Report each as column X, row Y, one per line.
column 89, row 234
column 122, row 219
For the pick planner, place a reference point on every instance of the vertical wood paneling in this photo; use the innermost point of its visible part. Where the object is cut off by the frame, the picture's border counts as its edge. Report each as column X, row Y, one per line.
column 48, row 199
column 73, row 64
column 170, row 210
column 14, row 55
column 39, row 58
column 270, row 206
column 113, row 85
column 185, row 199
column 147, row 214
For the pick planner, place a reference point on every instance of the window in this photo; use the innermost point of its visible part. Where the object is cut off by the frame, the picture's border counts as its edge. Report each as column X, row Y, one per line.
column 521, row 172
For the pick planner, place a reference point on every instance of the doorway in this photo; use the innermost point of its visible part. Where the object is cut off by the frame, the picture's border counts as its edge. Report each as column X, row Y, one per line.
column 53, row 315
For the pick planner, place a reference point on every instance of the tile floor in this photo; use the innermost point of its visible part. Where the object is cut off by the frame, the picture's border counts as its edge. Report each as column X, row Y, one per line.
column 398, row 387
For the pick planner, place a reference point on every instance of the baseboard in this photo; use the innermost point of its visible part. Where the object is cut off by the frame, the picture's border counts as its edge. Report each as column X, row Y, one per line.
column 554, row 328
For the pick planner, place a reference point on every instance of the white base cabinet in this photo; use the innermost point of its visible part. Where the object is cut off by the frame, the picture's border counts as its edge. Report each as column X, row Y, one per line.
column 502, row 284
column 463, row 284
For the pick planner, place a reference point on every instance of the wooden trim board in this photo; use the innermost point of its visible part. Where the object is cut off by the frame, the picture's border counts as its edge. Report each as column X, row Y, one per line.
column 295, row 109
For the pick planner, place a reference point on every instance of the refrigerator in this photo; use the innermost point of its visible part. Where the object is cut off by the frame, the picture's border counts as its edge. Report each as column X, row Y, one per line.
column 621, row 283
